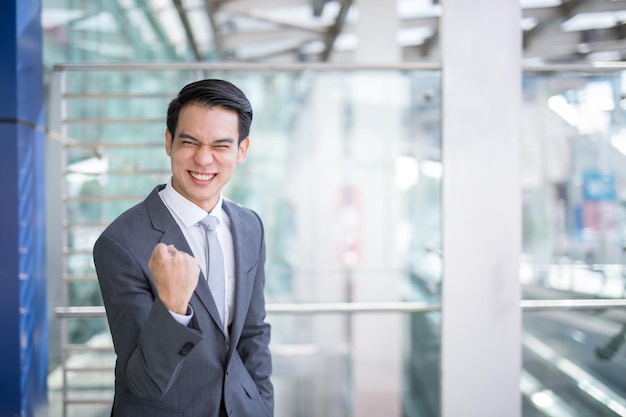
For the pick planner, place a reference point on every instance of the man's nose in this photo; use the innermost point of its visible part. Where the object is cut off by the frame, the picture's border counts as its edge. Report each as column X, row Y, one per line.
column 204, row 154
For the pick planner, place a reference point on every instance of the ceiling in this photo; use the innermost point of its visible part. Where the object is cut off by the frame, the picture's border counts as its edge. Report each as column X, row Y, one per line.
column 277, row 31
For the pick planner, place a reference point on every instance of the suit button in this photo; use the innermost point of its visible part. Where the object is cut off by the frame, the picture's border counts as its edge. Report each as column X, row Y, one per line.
column 186, row 348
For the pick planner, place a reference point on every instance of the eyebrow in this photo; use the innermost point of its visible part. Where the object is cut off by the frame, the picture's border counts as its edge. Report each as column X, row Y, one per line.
column 188, row 136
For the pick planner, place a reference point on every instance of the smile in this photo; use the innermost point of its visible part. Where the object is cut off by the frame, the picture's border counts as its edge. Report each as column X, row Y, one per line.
column 202, row 177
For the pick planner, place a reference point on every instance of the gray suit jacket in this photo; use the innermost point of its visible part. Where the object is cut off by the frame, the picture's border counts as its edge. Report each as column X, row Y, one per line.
column 164, row 368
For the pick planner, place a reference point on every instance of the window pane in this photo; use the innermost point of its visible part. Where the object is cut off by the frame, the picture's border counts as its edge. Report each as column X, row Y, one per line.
column 344, row 168
column 574, row 178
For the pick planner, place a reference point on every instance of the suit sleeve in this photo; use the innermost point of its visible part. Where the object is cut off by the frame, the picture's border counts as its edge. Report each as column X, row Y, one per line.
column 148, row 341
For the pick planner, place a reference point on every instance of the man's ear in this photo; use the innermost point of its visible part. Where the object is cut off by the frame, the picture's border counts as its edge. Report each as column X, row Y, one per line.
column 168, row 142
column 243, row 150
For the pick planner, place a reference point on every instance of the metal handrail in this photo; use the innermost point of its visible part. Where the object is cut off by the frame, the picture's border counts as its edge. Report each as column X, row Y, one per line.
column 88, row 369
column 572, row 304
column 133, row 171
column 310, row 66
column 238, row 66
column 85, row 401
column 111, row 121
column 379, row 307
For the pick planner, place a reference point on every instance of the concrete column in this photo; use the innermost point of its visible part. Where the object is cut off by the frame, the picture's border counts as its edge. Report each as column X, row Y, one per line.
column 481, row 319
column 376, row 30
column 23, row 323
column 377, row 377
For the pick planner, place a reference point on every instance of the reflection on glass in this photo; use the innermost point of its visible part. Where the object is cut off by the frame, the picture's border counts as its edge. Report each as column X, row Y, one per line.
column 574, row 178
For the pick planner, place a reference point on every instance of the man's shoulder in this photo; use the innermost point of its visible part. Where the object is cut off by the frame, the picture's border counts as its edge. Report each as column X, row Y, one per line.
column 135, row 217
column 239, row 212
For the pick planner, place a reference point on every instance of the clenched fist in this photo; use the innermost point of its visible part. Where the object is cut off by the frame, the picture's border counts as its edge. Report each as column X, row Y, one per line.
column 175, row 274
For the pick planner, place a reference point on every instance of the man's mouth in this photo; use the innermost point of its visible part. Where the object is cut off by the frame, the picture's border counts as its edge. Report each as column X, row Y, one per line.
column 202, row 177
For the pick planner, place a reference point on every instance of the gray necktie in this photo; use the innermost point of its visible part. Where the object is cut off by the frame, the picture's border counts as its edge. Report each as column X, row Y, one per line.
column 215, row 264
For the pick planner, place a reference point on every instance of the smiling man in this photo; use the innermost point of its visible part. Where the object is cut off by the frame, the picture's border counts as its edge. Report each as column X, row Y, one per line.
column 182, row 275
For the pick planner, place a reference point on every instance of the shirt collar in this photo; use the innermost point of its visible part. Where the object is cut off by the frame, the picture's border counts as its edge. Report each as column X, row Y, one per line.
column 189, row 213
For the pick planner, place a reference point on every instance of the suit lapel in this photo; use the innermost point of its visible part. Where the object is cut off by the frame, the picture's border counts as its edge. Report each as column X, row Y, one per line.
column 244, row 260
column 204, row 294
column 163, row 221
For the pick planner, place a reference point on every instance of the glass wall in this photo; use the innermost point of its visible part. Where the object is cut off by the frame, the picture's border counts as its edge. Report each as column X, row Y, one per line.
column 574, row 200
column 344, row 168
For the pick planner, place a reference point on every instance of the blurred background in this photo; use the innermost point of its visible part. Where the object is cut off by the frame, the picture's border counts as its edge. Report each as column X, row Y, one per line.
column 339, row 143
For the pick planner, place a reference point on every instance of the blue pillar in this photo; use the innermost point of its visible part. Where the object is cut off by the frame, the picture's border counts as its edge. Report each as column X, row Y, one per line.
column 23, row 317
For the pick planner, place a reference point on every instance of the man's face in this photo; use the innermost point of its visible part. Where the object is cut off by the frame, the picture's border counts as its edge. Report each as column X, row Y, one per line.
column 204, row 152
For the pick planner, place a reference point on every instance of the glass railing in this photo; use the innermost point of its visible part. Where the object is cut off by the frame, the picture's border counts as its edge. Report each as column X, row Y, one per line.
column 573, row 182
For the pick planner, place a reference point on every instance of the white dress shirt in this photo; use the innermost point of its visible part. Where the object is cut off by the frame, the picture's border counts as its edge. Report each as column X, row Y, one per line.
column 187, row 216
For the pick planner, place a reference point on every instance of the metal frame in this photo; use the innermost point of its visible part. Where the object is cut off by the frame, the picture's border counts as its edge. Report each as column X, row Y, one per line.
column 379, row 307
column 248, row 67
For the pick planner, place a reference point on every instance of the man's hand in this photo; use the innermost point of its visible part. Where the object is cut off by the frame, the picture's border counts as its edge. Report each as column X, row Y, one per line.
column 175, row 275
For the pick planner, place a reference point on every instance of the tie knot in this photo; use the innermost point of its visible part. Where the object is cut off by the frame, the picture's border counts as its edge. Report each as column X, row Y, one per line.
column 209, row 222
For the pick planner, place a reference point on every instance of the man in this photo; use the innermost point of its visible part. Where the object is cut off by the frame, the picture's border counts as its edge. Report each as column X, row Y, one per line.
column 187, row 343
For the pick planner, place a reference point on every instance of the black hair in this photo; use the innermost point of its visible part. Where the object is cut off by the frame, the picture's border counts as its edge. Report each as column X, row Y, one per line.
column 211, row 93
